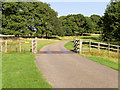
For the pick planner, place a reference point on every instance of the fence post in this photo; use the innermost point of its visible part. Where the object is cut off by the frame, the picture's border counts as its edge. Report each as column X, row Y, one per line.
column 1, row 48
column 118, row 50
column 89, row 45
column 5, row 46
column 80, row 48
column 20, row 46
column 36, row 43
column 74, row 44
column 32, row 46
column 108, row 48
column 99, row 47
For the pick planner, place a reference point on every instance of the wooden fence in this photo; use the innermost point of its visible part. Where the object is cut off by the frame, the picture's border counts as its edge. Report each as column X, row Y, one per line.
column 19, row 45
column 109, row 47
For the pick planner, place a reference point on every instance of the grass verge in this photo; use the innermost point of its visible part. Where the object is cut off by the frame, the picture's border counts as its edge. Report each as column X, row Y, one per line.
column 103, row 61
column 19, row 70
column 102, row 58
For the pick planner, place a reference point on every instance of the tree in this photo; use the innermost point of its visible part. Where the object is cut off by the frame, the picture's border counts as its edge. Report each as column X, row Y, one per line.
column 111, row 22
column 28, row 19
column 73, row 24
column 95, row 19
column 92, row 24
column 89, row 25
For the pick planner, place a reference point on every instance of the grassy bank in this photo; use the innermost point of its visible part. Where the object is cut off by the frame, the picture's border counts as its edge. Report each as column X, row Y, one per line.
column 19, row 69
column 103, row 58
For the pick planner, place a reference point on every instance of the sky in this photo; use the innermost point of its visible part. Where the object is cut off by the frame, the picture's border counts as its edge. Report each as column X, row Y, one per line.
column 75, row 0
column 85, row 7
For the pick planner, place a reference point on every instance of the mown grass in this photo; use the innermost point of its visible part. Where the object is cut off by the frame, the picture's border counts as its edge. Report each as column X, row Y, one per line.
column 69, row 38
column 42, row 43
column 103, row 61
column 110, row 60
column 19, row 70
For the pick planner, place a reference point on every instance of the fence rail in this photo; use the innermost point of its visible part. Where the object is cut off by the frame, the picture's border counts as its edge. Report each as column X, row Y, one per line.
column 109, row 47
column 18, row 45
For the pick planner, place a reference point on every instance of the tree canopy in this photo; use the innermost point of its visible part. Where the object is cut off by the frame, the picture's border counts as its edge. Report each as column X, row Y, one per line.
column 28, row 18
column 39, row 19
column 111, row 22
column 79, row 24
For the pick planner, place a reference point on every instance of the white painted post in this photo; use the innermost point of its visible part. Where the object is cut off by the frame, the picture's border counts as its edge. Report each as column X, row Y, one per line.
column 20, row 46
column 36, row 43
column 118, row 50
column 89, row 45
column 5, row 46
column 32, row 46
column 108, row 48
column 80, row 49
column 99, row 47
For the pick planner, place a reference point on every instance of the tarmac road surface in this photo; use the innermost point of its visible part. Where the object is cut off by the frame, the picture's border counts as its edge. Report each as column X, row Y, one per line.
column 63, row 69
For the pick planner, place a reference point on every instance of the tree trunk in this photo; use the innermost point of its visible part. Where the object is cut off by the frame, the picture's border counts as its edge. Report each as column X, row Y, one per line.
column 46, row 35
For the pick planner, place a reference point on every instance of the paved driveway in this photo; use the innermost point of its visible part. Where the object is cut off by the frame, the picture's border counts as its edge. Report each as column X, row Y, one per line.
column 63, row 69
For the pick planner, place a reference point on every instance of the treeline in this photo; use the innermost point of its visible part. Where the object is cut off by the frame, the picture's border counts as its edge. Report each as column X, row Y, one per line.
column 39, row 19
column 79, row 24
column 28, row 19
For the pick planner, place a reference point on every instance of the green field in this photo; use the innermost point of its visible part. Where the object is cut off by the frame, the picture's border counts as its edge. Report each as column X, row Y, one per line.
column 102, row 58
column 19, row 70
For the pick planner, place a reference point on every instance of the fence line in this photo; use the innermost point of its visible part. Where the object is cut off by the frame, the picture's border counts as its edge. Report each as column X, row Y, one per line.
column 20, row 45
column 98, row 45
